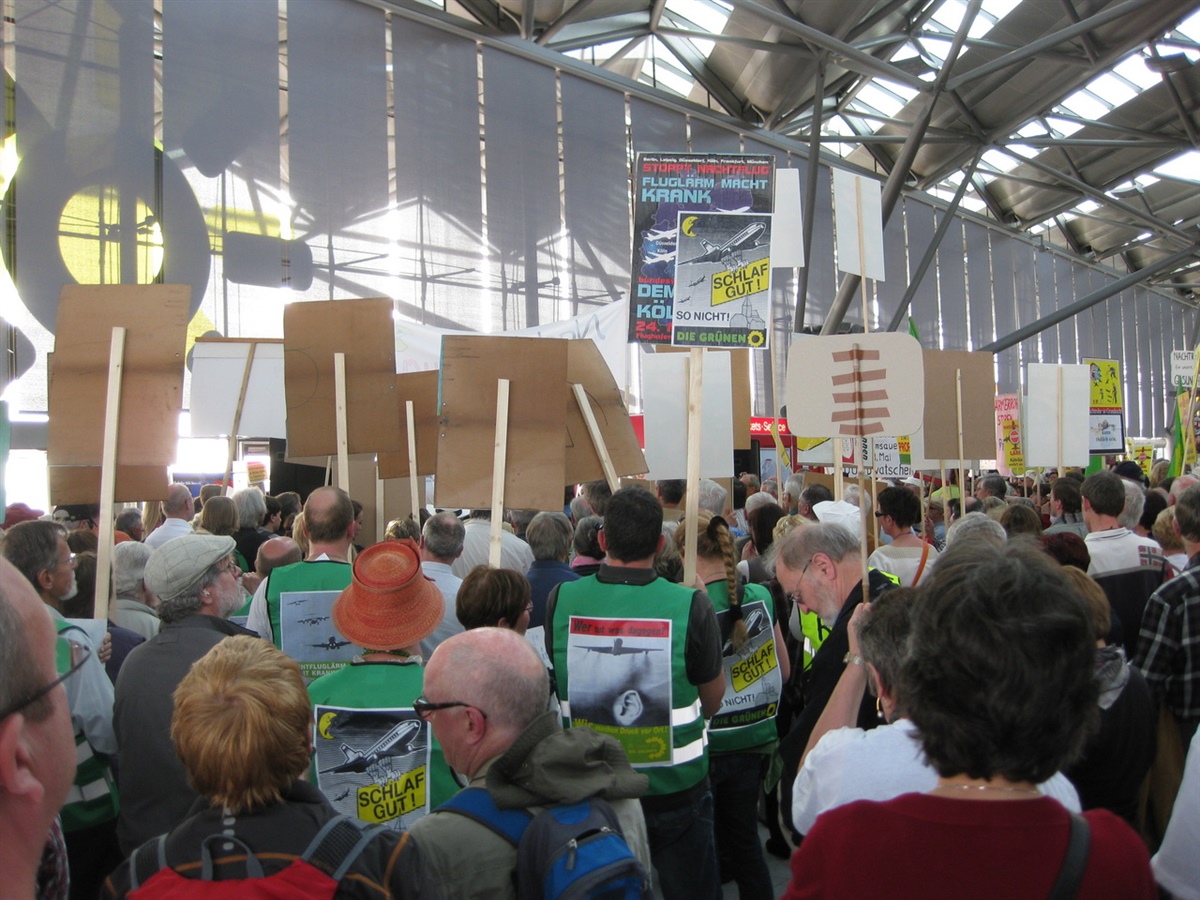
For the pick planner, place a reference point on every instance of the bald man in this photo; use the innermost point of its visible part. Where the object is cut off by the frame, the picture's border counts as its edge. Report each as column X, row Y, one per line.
column 272, row 553
column 329, row 521
column 178, row 511
column 485, row 697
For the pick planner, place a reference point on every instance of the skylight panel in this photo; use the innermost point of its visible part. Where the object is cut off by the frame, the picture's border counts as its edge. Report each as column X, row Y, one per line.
column 1184, row 167
column 1190, row 27
column 706, row 15
column 879, row 100
column 1086, row 206
column 1063, row 127
column 1114, row 90
column 1133, row 69
column 938, row 48
column 1001, row 162
column 1085, row 105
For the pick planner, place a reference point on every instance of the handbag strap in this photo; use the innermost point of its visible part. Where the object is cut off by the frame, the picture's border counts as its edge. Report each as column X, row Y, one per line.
column 1071, row 874
column 924, row 559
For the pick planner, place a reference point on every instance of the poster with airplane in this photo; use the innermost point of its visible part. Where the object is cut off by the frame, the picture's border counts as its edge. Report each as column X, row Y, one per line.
column 666, row 185
column 722, row 281
column 373, row 763
column 753, row 681
column 307, row 635
column 621, row 683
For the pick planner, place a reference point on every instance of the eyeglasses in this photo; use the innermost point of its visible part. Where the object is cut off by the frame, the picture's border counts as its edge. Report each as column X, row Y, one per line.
column 233, row 566
column 424, row 709
column 69, row 562
column 794, row 595
column 84, row 652
column 879, row 515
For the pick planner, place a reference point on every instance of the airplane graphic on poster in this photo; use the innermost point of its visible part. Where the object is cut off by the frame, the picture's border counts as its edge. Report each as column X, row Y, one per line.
column 394, row 743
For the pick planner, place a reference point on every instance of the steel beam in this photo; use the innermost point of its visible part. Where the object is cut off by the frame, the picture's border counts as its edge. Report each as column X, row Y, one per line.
column 565, row 19
column 1100, row 197
column 1045, row 43
column 810, row 195
column 1073, row 309
column 852, row 56
column 948, row 216
column 899, row 174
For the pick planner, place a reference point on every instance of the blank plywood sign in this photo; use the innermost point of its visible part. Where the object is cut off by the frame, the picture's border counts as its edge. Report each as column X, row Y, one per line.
column 312, row 333
column 217, row 370
column 422, row 389
column 155, row 319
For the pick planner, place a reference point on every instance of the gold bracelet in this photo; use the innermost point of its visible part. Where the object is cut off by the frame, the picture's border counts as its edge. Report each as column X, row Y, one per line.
column 853, row 658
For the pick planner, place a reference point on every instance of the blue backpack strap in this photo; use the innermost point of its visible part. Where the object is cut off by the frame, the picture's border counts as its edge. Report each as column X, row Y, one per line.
column 476, row 803
column 147, row 860
column 339, row 843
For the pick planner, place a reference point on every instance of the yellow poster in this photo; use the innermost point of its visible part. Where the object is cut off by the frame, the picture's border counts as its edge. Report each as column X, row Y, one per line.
column 1143, row 455
column 1105, row 383
column 1014, row 456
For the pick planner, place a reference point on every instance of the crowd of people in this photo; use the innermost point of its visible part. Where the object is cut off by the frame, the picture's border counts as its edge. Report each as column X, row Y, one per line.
column 997, row 696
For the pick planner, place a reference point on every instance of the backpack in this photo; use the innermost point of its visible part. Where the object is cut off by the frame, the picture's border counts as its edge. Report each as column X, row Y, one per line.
column 572, row 851
column 334, row 848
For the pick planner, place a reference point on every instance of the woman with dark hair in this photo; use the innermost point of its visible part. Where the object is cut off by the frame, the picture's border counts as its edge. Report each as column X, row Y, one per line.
column 763, row 519
column 908, row 557
column 999, row 682
column 499, row 598
column 742, row 734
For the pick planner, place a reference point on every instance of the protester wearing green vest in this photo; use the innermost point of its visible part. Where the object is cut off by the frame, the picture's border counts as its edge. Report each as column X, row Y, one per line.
column 639, row 658
column 374, row 757
column 742, row 735
column 329, row 521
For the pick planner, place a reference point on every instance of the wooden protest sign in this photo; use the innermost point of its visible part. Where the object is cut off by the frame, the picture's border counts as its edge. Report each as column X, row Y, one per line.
column 536, row 369
column 155, row 317
column 667, row 406
column 831, row 399
column 1056, row 415
column 362, row 330
column 421, row 389
column 586, row 367
column 978, row 404
column 218, row 367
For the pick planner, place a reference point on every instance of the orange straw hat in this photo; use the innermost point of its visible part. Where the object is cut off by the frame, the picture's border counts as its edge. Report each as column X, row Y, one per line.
column 390, row 604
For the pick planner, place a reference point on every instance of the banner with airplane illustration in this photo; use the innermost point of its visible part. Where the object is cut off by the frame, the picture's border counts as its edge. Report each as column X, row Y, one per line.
column 621, row 683
column 722, row 280
column 753, row 682
column 373, row 763
column 307, row 635
column 666, row 186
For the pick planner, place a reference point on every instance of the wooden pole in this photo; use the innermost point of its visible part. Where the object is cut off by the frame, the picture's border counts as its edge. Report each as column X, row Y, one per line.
column 343, row 455
column 691, row 497
column 413, row 494
column 380, row 500
column 589, row 417
column 499, row 468
column 227, row 483
column 862, row 464
column 962, row 462
column 1059, row 406
column 108, row 471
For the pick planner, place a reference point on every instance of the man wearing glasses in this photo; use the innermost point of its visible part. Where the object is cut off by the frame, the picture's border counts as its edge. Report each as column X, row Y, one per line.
column 820, row 569
column 196, row 581
column 37, row 758
column 485, row 697
column 39, row 551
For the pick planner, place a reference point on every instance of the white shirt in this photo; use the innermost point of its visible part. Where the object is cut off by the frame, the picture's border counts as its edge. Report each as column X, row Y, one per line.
column 448, row 583
column 514, row 552
column 850, row 764
column 1175, row 862
column 170, row 528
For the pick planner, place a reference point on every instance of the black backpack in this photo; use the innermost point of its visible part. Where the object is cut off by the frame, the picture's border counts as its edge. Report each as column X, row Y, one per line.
column 572, row 851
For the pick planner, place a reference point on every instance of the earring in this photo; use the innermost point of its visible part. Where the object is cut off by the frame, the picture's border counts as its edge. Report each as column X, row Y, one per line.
column 879, row 709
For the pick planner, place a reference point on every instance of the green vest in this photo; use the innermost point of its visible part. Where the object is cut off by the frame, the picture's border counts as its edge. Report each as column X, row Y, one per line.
column 93, row 796
column 753, row 682
column 374, row 758
column 318, row 575
column 619, row 661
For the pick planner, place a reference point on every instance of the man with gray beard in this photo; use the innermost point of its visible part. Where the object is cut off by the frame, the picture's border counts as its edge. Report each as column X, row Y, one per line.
column 196, row 581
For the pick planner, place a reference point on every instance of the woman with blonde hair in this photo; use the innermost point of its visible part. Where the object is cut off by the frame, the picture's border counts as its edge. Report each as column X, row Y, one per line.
column 742, row 734
column 241, row 726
